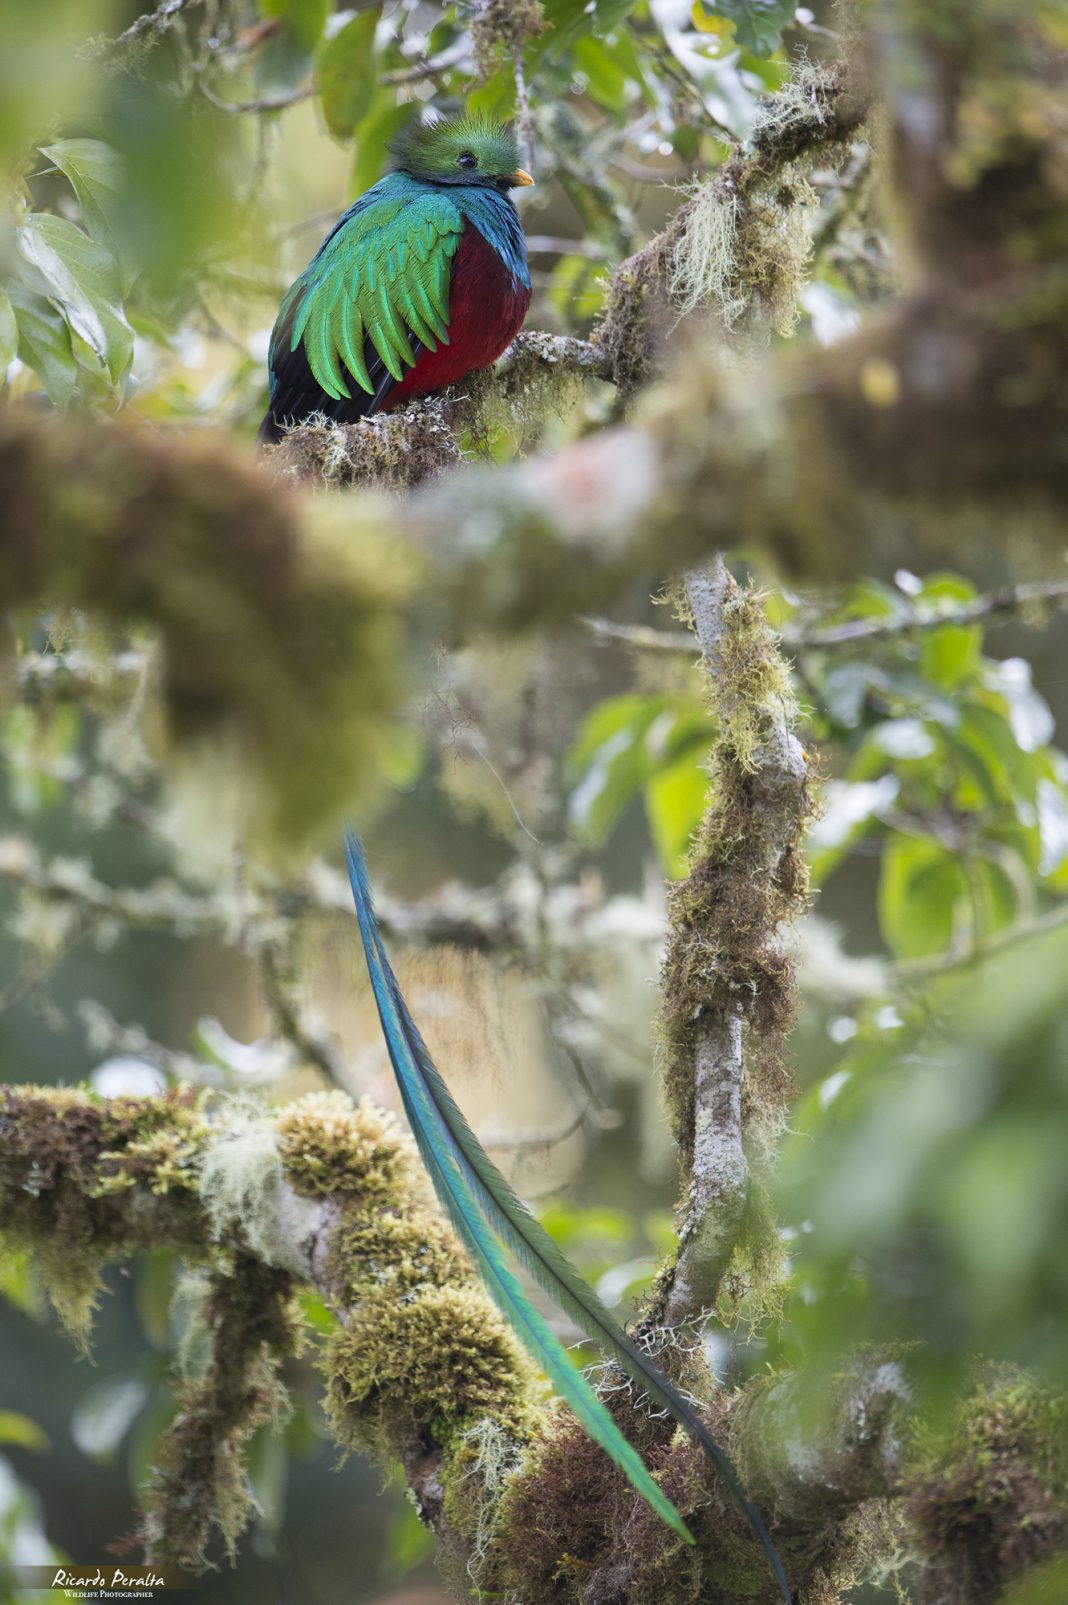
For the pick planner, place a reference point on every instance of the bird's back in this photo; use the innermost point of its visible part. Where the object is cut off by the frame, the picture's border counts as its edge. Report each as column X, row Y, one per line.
column 416, row 285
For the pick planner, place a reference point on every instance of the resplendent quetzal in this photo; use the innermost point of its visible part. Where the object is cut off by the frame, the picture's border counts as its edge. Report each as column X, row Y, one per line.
column 422, row 280
column 486, row 1212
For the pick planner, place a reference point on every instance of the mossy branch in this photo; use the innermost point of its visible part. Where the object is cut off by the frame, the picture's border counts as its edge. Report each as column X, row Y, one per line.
column 739, row 244
column 420, row 1369
column 321, row 1193
column 727, row 983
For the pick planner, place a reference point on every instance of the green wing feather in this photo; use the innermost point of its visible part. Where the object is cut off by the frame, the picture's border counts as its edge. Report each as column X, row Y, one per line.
column 383, row 276
column 471, row 1188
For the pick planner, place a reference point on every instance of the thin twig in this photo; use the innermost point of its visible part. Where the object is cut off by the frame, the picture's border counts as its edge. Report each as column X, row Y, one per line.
column 557, row 245
column 923, row 969
column 433, row 67
column 157, row 21
column 999, row 606
column 1006, row 600
column 265, row 104
column 643, row 637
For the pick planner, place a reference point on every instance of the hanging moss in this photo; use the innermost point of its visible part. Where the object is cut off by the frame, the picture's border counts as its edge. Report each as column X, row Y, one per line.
column 200, row 1486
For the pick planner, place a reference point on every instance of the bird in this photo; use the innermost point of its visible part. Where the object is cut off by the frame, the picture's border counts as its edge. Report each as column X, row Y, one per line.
column 486, row 1212
column 421, row 281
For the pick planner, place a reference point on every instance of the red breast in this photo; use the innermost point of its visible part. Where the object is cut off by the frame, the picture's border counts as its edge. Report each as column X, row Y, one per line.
column 486, row 312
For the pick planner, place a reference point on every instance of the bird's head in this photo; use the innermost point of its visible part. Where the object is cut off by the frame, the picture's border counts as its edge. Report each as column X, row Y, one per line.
column 461, row 150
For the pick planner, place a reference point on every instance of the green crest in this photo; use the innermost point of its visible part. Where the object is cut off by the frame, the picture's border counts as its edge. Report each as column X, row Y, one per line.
column 458, row 150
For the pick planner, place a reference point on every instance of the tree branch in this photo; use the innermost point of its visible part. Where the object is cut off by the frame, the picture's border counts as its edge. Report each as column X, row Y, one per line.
column 420, row 1368
column 152, row 22
column 727, row 982
column 263, row 103
column 1031, row 603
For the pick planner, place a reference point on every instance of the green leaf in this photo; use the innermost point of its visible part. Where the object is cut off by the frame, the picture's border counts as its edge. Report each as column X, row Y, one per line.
column 83, row 275
column 989, row 734
column 946, row 586
column 606, row 81
column 569, row 20
column 848, row 812
column 758, row 24
column 995, row 895
column 20, row 1430
column 95, row 172
column 9, row 332
column 495, row 97
column 675, row 801
column 950, row 655
column 304, row 19
column 920, row 884
column 105, row 1413
column 372, row 136
column 44, row 343
column 347, row 73
column 621, row 745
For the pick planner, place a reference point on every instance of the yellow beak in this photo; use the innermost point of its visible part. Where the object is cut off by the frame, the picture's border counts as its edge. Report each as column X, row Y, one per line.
column 519, row 177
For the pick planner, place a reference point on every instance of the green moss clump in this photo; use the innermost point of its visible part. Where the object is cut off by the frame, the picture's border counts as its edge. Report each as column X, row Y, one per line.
column 422, row 1355
column 328, row 1147
column 400, row 1250
column 637, row 317
column 989, row 1500
column 435, row 1362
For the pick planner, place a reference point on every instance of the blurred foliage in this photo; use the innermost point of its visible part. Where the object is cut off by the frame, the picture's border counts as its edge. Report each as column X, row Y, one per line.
column 942, row 759
column 168, row 177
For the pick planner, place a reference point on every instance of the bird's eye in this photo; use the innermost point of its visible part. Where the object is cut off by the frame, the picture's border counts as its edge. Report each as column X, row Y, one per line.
column 467, row 158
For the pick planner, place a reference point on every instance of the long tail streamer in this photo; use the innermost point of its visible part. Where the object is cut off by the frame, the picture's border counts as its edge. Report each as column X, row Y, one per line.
column 480, row 1203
